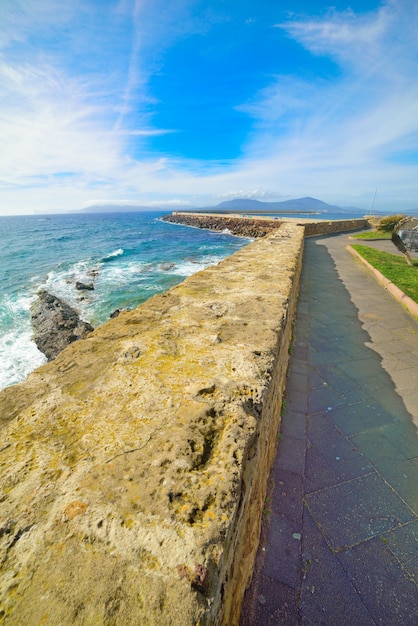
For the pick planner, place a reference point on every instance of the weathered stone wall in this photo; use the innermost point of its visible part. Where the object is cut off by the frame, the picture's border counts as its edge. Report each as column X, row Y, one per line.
column 260, row 226
column 134, row 465
column 335, row 226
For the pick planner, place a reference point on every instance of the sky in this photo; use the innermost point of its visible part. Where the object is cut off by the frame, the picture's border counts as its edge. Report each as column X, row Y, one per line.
column 187, row 103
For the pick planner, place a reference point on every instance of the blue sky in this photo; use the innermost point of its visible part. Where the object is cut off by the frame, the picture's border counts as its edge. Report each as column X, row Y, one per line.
column 190, row 102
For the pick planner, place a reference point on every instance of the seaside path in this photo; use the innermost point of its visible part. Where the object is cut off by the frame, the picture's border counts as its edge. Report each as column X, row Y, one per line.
column 340, row 532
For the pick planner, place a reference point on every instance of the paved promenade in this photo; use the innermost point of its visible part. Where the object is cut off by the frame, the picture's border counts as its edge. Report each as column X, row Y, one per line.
column 340, row 534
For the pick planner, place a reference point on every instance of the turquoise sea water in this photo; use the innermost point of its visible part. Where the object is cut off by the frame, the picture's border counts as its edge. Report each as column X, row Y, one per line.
column 128, row 256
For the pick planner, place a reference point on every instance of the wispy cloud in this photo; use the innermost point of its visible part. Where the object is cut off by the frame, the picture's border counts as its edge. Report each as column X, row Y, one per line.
column 154, row 28
column 146, row 133
column 253, row 194
column 21, row 19
column 51, row 123
column 361, row 117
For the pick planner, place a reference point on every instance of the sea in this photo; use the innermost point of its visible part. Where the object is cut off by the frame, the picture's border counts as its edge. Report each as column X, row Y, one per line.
column 128, row 257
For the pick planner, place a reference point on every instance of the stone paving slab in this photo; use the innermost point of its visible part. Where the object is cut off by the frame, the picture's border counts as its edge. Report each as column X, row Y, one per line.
column 340, row 535
column 355, row 511
column 276, row 604
column 287, row 497
column 340, row 454
column 286, row 570
column 384, row 587
column 327, row 595
column 402, row 542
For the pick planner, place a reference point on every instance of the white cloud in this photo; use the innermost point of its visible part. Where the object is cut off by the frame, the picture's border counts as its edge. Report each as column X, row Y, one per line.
column 146, row 132
column 50, row 124
column 175, row 202
column 253, row 194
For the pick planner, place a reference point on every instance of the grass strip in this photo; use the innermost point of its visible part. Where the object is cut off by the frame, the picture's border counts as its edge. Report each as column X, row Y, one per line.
column 372, row 234
column 394, row 268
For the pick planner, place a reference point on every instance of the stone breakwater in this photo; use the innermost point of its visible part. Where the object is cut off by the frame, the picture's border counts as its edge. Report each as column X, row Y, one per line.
column 259, row 227
column 134, row 465
column 253, row 228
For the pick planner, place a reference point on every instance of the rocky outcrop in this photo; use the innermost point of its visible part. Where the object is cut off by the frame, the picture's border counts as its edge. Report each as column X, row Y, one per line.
column 133, row 467
column 56, row 324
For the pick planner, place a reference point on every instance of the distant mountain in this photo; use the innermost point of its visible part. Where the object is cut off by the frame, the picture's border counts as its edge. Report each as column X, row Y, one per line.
column 238, row 205
column 245, row 204
column 299, row 205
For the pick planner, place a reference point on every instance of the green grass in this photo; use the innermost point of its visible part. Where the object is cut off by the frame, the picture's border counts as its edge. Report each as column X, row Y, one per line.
column 393, row 267
column 372, row 234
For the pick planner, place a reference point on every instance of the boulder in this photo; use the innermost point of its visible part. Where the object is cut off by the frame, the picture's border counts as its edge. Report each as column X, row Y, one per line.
column 56, row 324
column 115, row 313
column 84, row 286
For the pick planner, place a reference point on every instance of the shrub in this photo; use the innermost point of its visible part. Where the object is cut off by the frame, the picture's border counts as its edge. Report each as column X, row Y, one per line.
column 389, row 222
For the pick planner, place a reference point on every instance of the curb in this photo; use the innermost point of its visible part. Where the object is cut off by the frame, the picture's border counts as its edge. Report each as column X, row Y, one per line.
column 406, row 301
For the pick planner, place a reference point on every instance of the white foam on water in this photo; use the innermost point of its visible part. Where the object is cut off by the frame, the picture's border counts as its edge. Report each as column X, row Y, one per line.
column 189, row 267
column 103, row 276
column 62, row 285
column 121, row 274
column 114, row 254
column 19, row 355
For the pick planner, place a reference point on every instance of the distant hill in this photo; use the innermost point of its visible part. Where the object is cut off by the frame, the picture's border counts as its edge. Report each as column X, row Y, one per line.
column 238, row 205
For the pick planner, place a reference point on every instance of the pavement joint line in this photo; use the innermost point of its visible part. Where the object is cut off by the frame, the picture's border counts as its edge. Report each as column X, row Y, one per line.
column 341, row 483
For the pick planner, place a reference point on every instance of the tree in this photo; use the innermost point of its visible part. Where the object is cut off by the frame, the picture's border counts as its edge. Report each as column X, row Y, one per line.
column 397, row 241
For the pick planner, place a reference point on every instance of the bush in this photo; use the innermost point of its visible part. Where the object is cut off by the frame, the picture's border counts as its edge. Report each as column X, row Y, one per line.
column 388, row 223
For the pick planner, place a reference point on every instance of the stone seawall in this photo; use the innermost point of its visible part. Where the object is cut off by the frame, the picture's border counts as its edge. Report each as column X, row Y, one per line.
column 261, row 226
column 325, row 227
column 134, row 465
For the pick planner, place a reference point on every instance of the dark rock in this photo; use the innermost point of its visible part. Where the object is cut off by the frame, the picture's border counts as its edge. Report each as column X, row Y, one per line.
column 87, row 286
column 117, row 312
column 56, row 324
